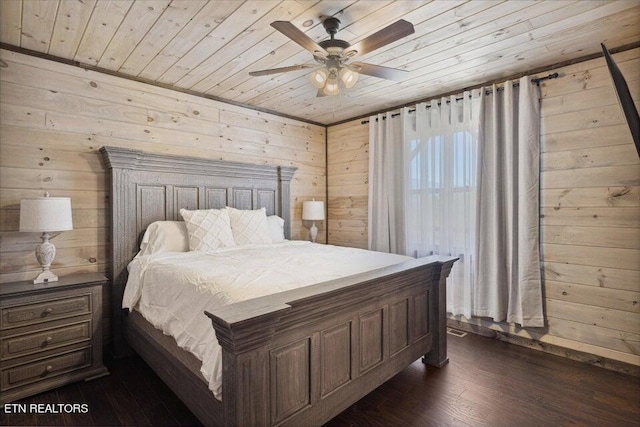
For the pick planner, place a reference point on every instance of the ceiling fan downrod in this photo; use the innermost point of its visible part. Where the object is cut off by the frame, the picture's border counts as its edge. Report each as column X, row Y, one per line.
column 333, row 46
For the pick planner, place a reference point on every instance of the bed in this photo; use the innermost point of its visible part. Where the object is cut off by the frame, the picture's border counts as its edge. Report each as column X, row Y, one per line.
column 296, row 357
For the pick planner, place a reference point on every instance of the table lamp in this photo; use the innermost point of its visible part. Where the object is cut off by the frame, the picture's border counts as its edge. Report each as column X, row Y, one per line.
column 313, row 211
column 45, row 214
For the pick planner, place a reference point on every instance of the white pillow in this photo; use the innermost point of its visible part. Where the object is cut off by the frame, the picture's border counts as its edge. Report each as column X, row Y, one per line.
column 165, row 236
column 208, row 229
column 276, row 228
column 249, row 227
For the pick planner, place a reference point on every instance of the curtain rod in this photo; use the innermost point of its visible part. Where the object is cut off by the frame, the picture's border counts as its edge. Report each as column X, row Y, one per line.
column 486, row 92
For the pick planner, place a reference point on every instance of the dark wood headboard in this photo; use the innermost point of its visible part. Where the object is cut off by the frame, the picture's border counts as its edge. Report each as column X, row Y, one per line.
column 147, row 187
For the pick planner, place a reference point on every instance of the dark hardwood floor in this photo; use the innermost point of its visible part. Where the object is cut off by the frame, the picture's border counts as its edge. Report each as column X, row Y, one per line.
column 486, row 383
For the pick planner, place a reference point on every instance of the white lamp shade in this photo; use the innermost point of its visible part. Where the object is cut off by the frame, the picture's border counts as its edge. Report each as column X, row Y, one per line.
column 331, row 87
column 44, row 214
column 319, row 77
column 313, row 210
column 348, row 77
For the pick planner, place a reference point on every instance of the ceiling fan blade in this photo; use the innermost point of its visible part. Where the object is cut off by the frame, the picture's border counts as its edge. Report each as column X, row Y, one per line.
column 387, row 35
column 281, row 70
column 379, row 71
column 291, row 31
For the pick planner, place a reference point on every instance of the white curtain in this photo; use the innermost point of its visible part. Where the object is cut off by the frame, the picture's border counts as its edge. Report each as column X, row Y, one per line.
column 386, row 202
column 440, row 198
column 508, row 285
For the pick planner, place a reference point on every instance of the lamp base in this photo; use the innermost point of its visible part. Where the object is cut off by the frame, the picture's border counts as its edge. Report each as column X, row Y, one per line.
column 45, row 277
column 45, row 253
column 314, row 232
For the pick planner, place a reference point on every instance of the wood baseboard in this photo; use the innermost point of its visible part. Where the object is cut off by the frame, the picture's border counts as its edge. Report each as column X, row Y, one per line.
column 580, row 356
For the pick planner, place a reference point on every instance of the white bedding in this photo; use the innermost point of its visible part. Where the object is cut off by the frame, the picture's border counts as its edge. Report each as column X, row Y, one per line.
column 172, row 290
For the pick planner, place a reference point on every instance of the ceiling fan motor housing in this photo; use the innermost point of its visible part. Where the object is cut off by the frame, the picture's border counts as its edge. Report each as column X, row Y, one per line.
column 334, row 44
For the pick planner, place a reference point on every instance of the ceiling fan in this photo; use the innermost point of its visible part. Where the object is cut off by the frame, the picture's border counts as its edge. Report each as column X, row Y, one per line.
column 335, row 54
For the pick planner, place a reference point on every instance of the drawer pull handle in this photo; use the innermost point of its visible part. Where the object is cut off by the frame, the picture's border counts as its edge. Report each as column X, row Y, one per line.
column 48, row 340
column 48, row 310
column 48, row 369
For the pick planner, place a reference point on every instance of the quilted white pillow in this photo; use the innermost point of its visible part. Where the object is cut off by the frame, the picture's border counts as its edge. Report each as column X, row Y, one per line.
column 208, row 229
column 276, row 228
column 249, row 227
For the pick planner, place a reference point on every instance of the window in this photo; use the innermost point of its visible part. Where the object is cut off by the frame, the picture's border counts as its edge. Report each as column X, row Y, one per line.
column 441, row 184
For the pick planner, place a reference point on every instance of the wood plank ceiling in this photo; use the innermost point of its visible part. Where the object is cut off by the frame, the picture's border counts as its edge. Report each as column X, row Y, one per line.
column 210, row 46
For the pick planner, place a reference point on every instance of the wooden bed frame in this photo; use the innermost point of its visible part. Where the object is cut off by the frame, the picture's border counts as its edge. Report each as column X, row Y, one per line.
column 295, row 358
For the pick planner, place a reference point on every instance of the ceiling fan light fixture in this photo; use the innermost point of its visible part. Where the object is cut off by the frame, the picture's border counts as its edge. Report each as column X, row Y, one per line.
column 319, row 77
column 348, row 77
column 331, row 88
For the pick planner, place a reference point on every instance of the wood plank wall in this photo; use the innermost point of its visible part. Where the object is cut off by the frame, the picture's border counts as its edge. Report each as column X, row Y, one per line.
column 54, row 118
column 590, row 210
column 347, row 183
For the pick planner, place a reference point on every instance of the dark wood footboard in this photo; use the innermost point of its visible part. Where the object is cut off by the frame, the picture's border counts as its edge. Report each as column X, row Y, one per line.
column 303, row 356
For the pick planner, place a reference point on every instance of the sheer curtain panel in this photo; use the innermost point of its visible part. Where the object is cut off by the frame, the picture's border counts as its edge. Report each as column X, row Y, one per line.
column 508, row 284
column 386, row 187
column 440, row 198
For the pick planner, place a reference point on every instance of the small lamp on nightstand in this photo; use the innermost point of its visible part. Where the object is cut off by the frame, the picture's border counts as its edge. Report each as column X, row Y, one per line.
column 313, row 211
column 45, row 214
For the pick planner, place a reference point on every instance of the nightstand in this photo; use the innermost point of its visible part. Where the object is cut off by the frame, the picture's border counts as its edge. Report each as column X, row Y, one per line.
column 50, row 334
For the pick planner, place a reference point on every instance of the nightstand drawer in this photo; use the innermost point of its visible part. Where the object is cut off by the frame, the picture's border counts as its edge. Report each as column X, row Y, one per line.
column 26, row 344
column 45, row 368
column 29, row 314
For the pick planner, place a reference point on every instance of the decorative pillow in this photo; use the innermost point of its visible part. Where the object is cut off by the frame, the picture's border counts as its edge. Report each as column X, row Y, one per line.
column 249, row 227
column 165, row 236
column 276, row 228
column 208, row 229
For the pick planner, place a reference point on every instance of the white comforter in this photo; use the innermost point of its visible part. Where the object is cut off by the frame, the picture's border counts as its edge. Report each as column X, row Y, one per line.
column 172, row 290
